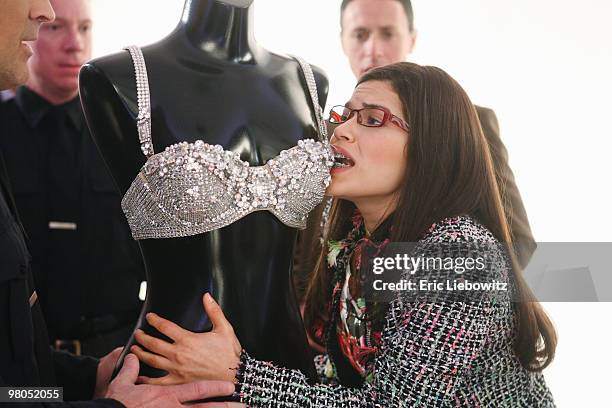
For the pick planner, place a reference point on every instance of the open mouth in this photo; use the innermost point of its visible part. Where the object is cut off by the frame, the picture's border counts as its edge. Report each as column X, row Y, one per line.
column 341, row 161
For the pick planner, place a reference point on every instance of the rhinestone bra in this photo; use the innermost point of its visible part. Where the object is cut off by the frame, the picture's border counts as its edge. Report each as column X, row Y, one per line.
column 192, row 188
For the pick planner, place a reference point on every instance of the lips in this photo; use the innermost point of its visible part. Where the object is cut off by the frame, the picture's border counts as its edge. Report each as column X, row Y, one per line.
column 25, row 46
column 70, row 66
column 26, row 41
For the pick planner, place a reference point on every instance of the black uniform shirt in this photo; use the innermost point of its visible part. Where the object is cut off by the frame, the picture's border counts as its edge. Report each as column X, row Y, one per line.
column 25, row 357
column 85, row 263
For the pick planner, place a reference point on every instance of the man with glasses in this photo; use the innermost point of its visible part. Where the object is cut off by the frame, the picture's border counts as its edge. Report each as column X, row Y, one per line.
column 375, row 33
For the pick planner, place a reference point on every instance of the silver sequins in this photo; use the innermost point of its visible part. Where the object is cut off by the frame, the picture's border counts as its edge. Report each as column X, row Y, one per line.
column 192, row 188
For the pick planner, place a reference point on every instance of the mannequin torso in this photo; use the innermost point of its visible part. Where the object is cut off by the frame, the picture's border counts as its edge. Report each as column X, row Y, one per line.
column 210, row 81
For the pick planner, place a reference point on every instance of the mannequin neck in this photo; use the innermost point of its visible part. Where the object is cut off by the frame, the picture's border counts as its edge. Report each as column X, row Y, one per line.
column 221, row 28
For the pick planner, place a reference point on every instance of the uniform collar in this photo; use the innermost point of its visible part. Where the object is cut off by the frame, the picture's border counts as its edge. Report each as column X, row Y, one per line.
column 34, row 108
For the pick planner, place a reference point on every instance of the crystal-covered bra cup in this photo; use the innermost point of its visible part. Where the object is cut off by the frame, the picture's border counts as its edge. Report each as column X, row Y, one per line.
column 192, row 188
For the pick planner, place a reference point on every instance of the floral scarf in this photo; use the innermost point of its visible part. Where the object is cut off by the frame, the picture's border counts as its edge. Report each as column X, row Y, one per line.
column 354, row 320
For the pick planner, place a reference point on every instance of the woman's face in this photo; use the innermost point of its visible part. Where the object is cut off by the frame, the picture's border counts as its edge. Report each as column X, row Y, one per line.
column 378, row 156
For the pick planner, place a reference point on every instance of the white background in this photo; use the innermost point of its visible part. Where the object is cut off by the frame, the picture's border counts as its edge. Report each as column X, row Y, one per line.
column 544, row 66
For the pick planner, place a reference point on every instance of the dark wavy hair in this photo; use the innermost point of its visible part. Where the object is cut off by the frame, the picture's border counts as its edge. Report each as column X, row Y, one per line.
column 449, row 173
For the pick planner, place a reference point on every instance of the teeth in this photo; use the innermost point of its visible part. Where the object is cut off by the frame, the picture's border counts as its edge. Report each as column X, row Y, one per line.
column 341, row 161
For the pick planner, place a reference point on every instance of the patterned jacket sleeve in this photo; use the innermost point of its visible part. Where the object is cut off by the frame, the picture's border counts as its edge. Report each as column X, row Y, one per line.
column 426, row 348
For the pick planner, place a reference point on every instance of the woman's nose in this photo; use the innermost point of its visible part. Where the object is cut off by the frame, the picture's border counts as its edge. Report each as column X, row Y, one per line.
column 344, row 131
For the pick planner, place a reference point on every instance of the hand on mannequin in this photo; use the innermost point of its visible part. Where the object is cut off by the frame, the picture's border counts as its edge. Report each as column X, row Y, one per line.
column 213, row 355
column 124, row 390
column 105, row 371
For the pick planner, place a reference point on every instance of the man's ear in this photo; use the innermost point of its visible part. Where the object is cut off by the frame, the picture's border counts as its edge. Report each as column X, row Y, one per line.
column 413, row 39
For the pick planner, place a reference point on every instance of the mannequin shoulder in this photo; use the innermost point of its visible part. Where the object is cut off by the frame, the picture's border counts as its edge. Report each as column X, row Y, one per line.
column 320, row 76
column 116, row 68
column 108, row 77
column 319, row 73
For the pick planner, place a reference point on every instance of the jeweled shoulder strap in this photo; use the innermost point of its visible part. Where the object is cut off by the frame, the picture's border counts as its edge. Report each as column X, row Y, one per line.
column 143, row 121
column 314, row 96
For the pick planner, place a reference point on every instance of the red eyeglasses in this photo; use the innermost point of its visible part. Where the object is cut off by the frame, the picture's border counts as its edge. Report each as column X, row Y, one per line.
column 369, row 117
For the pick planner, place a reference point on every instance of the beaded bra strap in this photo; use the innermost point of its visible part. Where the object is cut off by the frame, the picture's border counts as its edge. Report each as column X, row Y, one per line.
column 143, row 121
column 314, row 95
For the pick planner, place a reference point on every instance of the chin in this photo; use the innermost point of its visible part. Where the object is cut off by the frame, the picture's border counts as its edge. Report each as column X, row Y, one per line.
column 332, row 192
column 334, row 188
column 342, row 186
column 68, row 87
column 20, row 77
column 70, row 84
column 338, row 192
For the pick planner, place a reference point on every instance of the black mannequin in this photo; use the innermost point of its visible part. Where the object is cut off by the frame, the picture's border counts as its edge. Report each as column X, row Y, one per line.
column 210, row 80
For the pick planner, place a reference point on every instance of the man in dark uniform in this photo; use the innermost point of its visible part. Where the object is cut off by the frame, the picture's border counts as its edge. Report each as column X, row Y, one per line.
column 87, row 268
column 375, row 33
column 26, row 359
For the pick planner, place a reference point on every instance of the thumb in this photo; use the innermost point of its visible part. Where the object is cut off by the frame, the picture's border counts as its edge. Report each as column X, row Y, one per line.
column 129, row 371
column 215, row 314
column 117, row 350
column 114, row 355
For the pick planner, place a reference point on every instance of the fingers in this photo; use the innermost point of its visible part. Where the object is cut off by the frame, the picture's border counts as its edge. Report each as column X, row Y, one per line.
column 151, row 359
column 215, row 314
column 166, row 327
column 153, row 344
column 129, row 371
column 201, row 390
column 165, row 380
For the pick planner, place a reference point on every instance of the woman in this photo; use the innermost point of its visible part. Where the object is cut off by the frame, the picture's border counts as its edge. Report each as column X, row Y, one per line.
column 412, row 165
